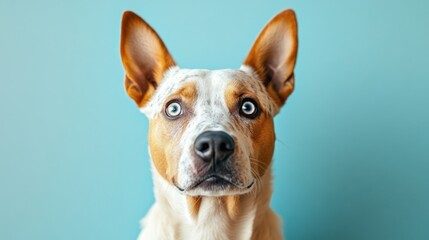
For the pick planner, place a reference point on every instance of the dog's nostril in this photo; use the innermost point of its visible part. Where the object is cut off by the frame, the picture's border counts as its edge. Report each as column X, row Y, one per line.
column 225, row 147
column 204, row 147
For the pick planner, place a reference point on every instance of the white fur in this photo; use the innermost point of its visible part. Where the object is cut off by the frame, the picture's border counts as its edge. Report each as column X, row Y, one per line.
column 169, row 217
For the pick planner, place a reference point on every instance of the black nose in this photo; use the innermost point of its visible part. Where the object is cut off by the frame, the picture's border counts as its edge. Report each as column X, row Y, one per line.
column 214, row 146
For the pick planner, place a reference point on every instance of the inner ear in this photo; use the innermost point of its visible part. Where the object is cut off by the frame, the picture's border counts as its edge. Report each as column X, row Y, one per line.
column 144, row 56
column 273, row 55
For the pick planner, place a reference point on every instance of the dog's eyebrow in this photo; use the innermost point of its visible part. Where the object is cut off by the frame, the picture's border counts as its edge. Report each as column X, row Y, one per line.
column 235, row 88
column 234, row 92
column 188, row 91
column 238, row 90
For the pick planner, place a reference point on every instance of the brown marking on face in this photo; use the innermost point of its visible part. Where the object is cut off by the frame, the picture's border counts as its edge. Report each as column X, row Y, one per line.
column 261, row 128
column 194, row 204
column 165, row 134
column 187, row 92
column 232, row 94
column 263, row 138
column 232, row 205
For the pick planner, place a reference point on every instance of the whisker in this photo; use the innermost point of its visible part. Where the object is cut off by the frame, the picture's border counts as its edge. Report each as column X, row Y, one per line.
column 258, row 185
column 281, row 142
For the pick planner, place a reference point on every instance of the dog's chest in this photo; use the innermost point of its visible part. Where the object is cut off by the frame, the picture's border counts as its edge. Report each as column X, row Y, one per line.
column 213, row 222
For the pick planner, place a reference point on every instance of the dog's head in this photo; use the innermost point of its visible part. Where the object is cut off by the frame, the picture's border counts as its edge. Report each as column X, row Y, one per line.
column 211, row 132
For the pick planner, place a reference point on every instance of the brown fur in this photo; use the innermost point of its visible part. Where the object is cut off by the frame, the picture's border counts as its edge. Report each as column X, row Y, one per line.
column 263, row 144
column 262, row 128
column 232, row 204
column 164, row 134
column 194, row 204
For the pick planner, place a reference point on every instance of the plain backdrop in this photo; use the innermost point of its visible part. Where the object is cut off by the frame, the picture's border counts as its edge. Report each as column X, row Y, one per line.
column 352, row 156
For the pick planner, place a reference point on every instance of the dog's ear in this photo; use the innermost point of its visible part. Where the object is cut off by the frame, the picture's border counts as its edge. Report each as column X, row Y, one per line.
column 144, row 56
column 273, row 55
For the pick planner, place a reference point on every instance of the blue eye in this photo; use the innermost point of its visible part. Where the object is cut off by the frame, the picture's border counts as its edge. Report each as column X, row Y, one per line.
column 249, row 108
column 173, row 110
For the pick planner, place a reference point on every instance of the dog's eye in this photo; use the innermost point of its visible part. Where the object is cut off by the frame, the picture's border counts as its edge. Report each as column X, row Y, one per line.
column 173, row 110
column 249, row 108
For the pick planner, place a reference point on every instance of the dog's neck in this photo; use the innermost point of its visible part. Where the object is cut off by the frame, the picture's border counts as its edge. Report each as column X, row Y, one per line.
column 228, row 217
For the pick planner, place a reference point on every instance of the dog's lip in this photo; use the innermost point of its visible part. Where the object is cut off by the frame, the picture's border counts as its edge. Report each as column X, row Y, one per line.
column 212, row 178
column 179, row 188
column 251, row 184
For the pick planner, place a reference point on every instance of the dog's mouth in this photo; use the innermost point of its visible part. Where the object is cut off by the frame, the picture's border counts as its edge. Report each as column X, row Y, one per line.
column 214, row 182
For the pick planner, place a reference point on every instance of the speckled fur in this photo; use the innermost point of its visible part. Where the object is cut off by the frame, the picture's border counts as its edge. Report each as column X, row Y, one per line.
column 211, row 113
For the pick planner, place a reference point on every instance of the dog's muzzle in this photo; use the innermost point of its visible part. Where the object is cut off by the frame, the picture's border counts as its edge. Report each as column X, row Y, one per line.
column 214, row 162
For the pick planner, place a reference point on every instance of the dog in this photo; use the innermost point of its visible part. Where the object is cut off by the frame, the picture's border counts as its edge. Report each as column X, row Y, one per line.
column 211, row 133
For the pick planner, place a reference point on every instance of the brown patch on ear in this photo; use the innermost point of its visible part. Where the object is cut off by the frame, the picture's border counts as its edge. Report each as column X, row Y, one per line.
column 273, row 55
column 285, row 91
column 232, row 205
column 194, row 204
column 144, row 57
column 139, row 93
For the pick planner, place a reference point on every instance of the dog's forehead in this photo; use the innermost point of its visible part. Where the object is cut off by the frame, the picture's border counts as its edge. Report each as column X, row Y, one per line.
column 210, row 86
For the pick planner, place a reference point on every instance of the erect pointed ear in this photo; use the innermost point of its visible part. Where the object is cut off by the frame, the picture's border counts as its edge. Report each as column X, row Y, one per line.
column 144, row 56
column 273, row 55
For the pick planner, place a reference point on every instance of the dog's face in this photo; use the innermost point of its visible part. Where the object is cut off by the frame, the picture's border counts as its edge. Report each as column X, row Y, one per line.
column 211, row 132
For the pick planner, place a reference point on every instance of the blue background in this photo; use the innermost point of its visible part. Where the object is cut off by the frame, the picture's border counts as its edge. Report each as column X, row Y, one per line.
column 352, row 160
